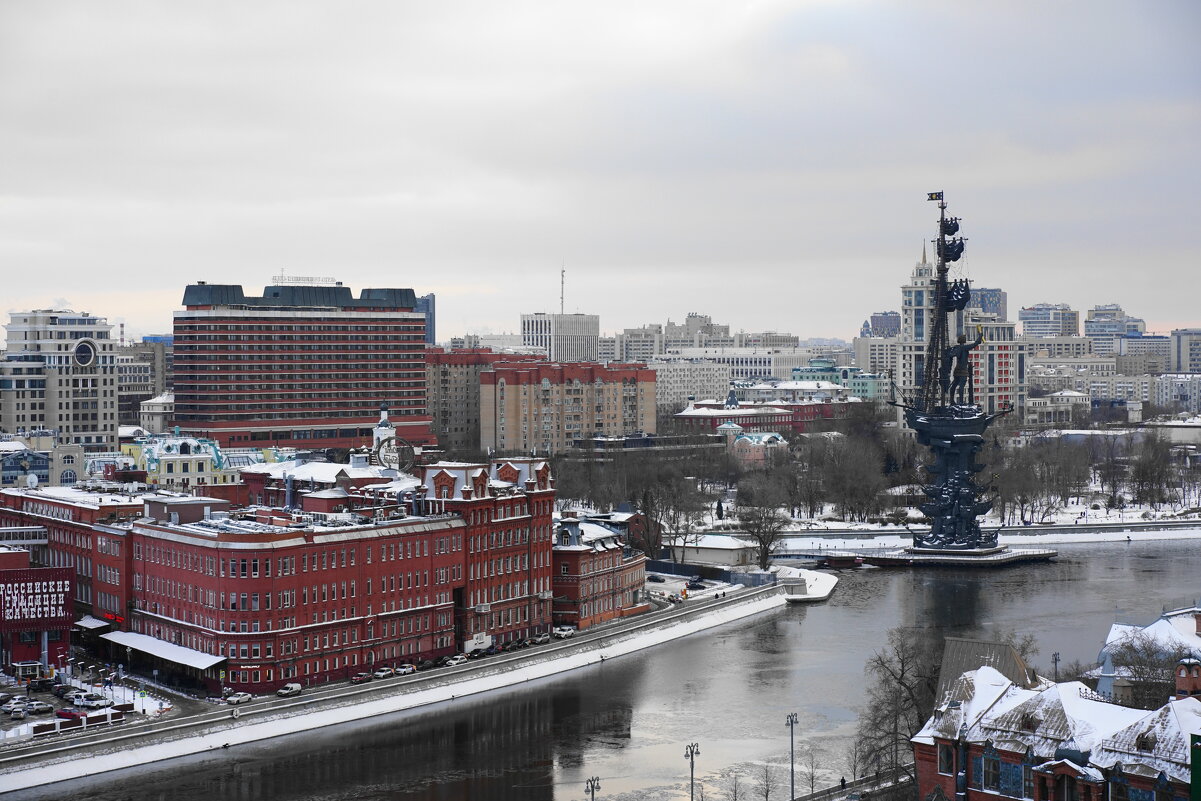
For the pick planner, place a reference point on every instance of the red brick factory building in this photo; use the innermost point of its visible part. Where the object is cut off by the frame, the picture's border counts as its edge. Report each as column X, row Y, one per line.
column 361, row 568
column 36, row 613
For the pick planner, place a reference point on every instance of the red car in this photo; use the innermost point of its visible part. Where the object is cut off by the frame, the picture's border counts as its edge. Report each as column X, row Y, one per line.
column 71, row 713
column 361, row 678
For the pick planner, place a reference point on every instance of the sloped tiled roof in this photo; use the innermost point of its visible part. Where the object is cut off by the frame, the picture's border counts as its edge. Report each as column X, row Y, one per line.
column 960, row 655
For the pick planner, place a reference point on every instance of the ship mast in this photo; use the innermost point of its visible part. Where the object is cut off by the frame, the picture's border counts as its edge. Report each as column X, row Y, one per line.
column 936, row 372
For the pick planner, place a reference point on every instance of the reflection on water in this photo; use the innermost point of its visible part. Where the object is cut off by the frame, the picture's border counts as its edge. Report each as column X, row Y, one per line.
column 730, row 689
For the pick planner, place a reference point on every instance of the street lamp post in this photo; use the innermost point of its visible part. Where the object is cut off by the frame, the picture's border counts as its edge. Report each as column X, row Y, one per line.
column 591, row 786
column 791, row 723
column 690, row 753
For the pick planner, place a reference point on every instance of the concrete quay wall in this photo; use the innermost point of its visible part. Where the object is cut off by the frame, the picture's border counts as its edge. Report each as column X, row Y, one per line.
column 38, row 763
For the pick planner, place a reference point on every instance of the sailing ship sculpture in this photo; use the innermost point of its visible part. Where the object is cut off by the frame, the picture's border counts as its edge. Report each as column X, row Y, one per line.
column 946, row 417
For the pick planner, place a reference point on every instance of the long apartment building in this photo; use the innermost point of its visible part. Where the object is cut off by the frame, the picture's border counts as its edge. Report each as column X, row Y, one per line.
column 301, row 365
column 545, row 406
column 453, row 391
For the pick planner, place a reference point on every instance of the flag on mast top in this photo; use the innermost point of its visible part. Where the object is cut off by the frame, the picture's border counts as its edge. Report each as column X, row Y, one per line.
column 934, row 196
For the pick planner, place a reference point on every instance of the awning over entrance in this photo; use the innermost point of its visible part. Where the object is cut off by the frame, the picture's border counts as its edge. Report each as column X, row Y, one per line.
column 163, row 650
column 89, row 622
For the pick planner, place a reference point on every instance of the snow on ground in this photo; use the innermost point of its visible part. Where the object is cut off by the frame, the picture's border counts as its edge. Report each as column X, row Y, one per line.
column 145, row 703
column 881, row 538
column 251, row 730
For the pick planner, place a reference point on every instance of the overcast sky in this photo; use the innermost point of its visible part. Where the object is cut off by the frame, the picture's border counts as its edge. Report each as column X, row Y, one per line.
column 762, row 162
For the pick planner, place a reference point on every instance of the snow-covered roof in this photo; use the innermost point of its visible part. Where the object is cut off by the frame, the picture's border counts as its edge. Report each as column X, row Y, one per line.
column 714, row 542
column 334, row 492
column 693, row 411
column 1058, row 717
column 402, row 483
column 324, row 472
column 1163, row 736
column 79, row 497
column 761, row 438
column 131, row 431
column 1174, row 629
column 89, row 622
column 10, row 446
column 164, row 650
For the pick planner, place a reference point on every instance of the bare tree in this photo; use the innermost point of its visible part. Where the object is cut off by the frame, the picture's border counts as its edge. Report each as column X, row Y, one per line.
column 1149, row 665
column 855, row 756
column 767, row 782
column 733, row 787
column 900, row 697
column 855, row 478
column 1151, row 472
column 683, row 508
column 759, row 516
column 812, row 758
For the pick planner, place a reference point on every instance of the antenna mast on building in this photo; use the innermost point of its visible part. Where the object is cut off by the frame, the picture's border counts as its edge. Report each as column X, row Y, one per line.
column 562, row 286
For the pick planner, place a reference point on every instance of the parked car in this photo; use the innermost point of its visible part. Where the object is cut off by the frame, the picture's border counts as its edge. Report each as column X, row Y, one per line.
column 238, row 698
column 675, row 599
column 71, row 713
column 18, row 713
column 384, row 673
column 38, row 708
column 361, row 678
column 63, row 690
column 426, row 664
column 457, row 659
column 541, row 639
column 655, row 577
column 93, row 701
column 563, row 632
column 12, row 704
column 492, row 650
column 288, row 690
column 404, row 670
column 41, row 685
column 695, row 585
column 5, row 697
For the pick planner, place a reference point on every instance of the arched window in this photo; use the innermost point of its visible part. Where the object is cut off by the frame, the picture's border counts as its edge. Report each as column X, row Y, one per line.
column 68, row 477
column 68, row 459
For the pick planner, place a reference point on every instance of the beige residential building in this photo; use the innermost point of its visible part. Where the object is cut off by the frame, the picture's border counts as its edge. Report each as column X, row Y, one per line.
column 544, row 407
column 59, row 374
column 453, row 393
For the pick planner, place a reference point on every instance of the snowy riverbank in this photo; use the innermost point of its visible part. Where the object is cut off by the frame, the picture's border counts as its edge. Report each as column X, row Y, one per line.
column 255, row 722
column 859, row 539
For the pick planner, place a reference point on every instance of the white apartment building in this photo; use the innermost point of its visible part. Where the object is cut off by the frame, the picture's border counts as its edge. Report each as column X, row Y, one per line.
column 876, row 354
column 1059, row 347
column 1184, row 355
column 59, row 374
column 564, row 337
column 748, row 363
column 679, row 379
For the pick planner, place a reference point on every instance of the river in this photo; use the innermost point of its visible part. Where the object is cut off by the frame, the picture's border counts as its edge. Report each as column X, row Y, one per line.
column 627, row 720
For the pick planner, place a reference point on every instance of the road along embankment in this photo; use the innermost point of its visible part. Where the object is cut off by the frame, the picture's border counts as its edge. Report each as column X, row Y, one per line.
column 45, row 762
